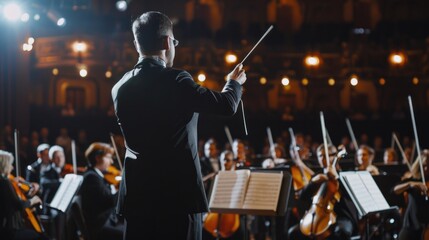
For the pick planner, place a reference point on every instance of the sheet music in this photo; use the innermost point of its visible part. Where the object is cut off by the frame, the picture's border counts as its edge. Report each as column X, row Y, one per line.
column 229, row 189
column 374, row 191
column 66, row 191
column 263, row 191
column 365, row 191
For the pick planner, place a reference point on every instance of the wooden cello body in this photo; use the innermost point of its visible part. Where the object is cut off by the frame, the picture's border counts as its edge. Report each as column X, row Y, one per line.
column 222, row 225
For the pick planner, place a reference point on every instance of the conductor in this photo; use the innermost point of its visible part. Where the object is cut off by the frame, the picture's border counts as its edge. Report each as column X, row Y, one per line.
column 157, row 109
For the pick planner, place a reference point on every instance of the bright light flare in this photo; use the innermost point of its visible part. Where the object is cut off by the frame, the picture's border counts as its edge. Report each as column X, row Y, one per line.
column 285, row 81
column 79, row 46
column 312, row 61
column 121, row 5
column 331, row 82
column 25, row 17
column 201, row 77
column 231, row 58
column 108, row 74
column 397, row 58
column 83, row 72
column 61, row 22
column 27, row 47
column 12, row 12
column 263, row 80
column 354, row 80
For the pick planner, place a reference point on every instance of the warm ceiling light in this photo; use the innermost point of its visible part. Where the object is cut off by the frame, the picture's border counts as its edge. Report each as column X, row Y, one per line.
column 312, row 61
column 331, row 82
column 231, row 58
column 55, row 71
column 415, row 80
column 354, row 80
column 263, row 80
column 79, row 47
column 382, row 81
column 201, row 77
column 304, row 81
column 83, row 72
column 397, row 58
column 285, row 81
column 108, row 74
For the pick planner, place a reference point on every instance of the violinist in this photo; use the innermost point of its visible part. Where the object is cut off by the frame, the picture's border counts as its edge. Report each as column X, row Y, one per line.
column 50, row 179
column 390, row 157
column 12, row 207
column 416, row 217
column 365, row 156
column 240, row 155
column 98, row 196
column 345, row 213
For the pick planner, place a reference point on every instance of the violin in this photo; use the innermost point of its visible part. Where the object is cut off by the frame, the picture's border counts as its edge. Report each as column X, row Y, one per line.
column 113, row 176
column 222, row 225
column 68, row 169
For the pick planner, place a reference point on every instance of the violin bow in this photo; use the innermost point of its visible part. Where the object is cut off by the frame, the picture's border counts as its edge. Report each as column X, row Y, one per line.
column 325, row 142
column 413, row 120
column 300, row 164
column 73, row 148
column 395, row 138
column 17, row 165
column 352, row 135
column 112, row 139
column 271, row 142
column 228, row 136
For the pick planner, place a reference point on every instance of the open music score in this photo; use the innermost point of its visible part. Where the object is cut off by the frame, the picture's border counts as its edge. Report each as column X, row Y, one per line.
column 364, row 192
column 66, row 192
column 243, row 191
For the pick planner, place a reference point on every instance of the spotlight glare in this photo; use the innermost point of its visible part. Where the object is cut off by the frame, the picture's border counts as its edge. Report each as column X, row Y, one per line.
column 12, row 11
column 121, row 5
column 312, row 61
column 25, row 17
column 415, row 80
column 331, row 82
column 61, row 22
column 30, row 40
column 354, row 80
column 55, row 71
column 79, row 46
column 382, row 81
column 263, row 80
column 36, row 17
column 305, row 81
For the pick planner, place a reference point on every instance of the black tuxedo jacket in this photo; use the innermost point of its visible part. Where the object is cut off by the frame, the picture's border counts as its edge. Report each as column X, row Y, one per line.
column 157, row 109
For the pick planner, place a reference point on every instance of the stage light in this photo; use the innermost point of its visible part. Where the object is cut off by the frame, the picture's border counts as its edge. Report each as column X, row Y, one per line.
column 263, row 80
column 12, row 11
column 331, row 82
column 122, row 5
column 108, row 74
column 55, row 71
column 25, row 17
column 201, row 77
column 397, row 58
column 415, row 80
column 382, row 81
column 83, row 72
column 230, row 58
column 56, row 18
column 312, row 61
column 285, row 81
column 304, row 81
column 36, row 17
column 354, row 80
column 30, row 40
column 79, row 47
column 27, row 47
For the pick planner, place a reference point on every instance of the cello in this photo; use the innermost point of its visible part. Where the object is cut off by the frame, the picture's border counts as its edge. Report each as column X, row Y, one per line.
column 222, row 225
column 320, row 217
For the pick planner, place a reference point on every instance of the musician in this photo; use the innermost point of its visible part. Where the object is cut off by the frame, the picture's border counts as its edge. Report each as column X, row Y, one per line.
column 50, row 179
column 240, row 155
column 98, row 196
column 227, row 161
column 416, row 217
column 157, row 108
column 209, row 162
column 365, row 156
column 12, row 224
column 42, row 164
column 390, row 157
column 346, row 213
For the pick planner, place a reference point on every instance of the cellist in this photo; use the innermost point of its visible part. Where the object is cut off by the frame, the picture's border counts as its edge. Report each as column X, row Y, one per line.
column 345, row 212
column 12, row 207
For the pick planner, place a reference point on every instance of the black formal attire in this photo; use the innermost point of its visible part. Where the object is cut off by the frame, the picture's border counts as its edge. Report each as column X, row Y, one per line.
column 49, row 182
column 157, row 109
column 207, row 167
column 12, row 223
column 347, row 215
column 98, row 206
column 32, row 173
column 416, row 216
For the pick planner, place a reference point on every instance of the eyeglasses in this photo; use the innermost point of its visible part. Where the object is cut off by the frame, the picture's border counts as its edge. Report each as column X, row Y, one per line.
column 175, row 41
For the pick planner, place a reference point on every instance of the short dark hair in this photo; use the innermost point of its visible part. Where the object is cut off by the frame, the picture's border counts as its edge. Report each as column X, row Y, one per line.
column 97, row 149
column 149, row 28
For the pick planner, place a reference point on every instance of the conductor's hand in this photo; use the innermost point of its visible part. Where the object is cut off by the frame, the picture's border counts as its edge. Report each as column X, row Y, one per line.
column 238, row 74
